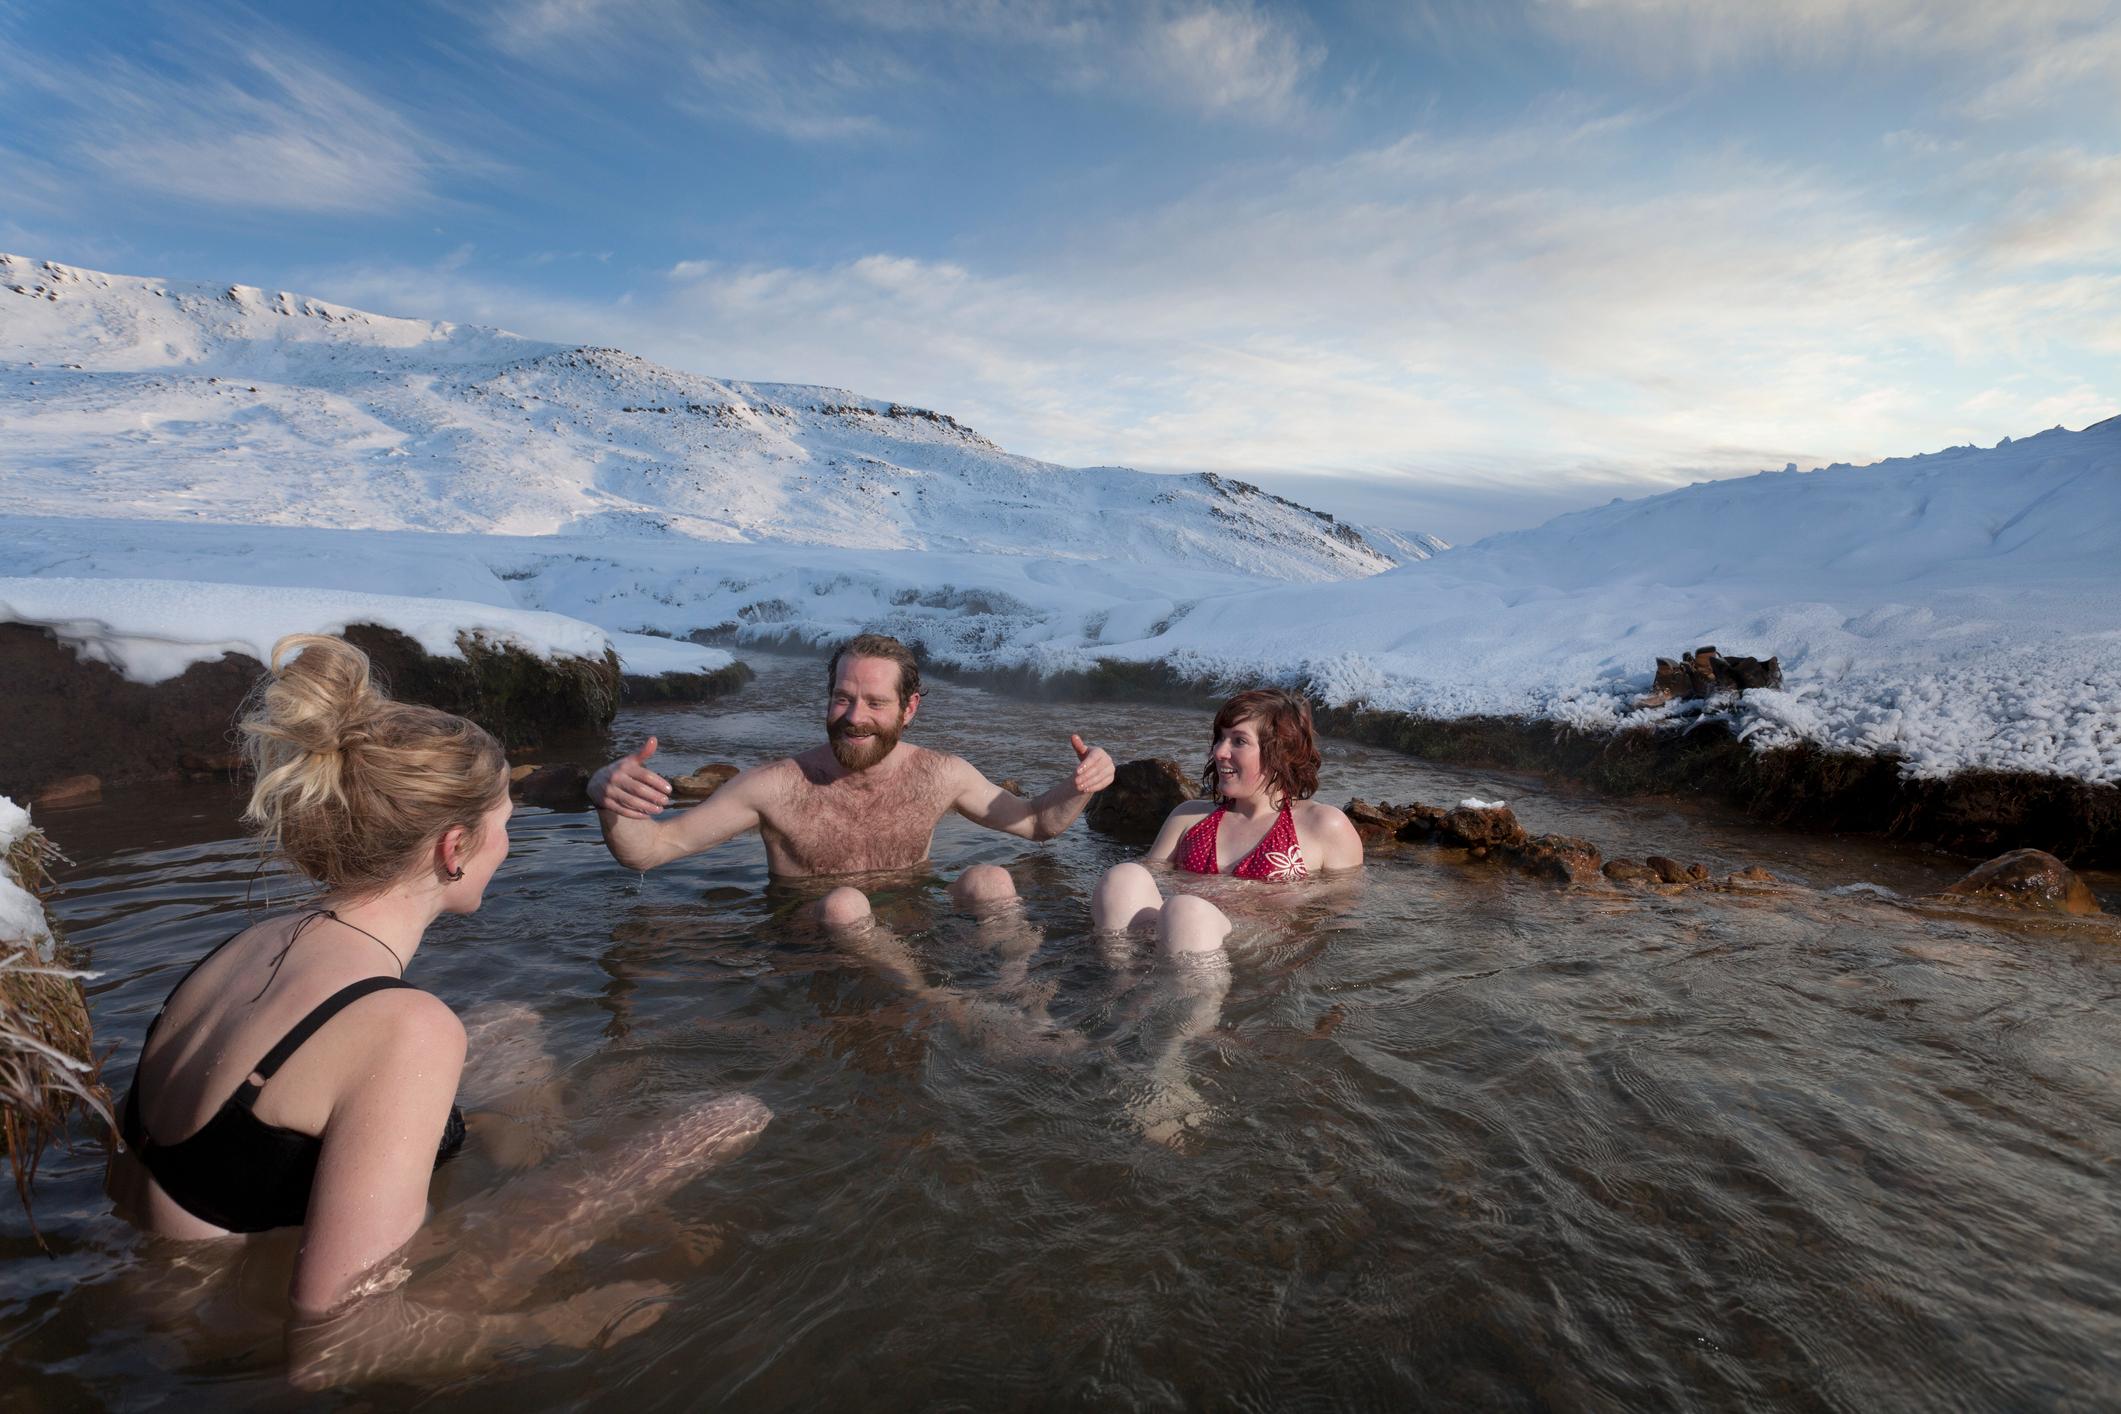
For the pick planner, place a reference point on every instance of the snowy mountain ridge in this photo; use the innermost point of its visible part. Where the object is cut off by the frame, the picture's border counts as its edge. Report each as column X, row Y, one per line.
column 133, row 398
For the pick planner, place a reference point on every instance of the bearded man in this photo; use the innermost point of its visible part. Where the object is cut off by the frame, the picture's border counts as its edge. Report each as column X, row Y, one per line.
column 863, row 801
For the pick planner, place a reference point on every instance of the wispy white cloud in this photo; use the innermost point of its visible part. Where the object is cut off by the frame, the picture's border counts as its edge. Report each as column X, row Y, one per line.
column 821, row 74
column 1508, row 310
column 805, row 98
column 1228, row 60
column 1715, row 34
column 2074, row 68
column 242, row 119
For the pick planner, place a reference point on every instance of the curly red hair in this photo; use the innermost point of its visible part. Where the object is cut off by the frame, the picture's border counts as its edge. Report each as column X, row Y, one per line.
column 1288, row 743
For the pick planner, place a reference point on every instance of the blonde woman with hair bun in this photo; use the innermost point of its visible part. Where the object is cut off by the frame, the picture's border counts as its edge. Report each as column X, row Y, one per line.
column 294, row 1078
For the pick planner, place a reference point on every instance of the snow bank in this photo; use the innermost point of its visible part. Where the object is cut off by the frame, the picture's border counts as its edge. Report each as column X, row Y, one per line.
column 1954, row 611
column 22, row 918
column 151, row 630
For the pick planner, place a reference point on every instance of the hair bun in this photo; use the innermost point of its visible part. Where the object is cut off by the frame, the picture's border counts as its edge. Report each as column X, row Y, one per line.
column 321, row 696
column 348, row 784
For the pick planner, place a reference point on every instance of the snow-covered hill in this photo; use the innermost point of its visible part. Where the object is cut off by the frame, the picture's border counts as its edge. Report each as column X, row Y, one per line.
column 1960, row 609
column 136, row 398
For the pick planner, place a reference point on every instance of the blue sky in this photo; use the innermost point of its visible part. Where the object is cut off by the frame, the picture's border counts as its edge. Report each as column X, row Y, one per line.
column 1447, row 266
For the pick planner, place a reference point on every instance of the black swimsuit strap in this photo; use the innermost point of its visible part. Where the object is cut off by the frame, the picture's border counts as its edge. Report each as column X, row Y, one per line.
column 308, row 1026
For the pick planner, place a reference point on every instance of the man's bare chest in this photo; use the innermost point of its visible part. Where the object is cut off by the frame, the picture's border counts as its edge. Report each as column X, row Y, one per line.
column 849, row 826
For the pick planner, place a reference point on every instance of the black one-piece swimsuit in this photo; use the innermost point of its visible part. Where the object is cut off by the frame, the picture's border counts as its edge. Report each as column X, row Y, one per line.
column 236, row 1171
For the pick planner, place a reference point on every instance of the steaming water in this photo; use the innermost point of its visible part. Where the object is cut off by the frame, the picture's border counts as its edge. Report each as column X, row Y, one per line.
column 1452, row 1137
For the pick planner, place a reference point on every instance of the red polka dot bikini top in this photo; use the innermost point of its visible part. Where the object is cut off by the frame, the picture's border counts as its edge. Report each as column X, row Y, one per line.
column 1276, row 857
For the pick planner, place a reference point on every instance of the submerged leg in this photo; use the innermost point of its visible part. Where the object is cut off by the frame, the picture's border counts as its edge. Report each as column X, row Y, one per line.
column 1127, row 897
column 982, row 885
column 447, row 1320
column 1191, row 925
column 1193, row 985
column 844, row 909
column 510, row 1084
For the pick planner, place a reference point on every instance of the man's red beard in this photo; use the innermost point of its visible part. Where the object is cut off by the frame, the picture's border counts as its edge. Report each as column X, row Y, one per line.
column 860, row 753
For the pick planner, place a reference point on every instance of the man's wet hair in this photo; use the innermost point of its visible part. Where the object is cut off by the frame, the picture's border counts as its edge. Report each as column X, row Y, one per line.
column 879, row 645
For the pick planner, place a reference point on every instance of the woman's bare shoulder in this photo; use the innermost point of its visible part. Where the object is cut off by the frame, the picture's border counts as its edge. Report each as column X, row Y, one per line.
column 1319, row 814
column 1330, row 832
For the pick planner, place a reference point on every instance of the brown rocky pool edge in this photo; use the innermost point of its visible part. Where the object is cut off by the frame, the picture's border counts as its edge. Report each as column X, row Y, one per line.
column 71, row 727
column 1977, row 813
column 63, row 720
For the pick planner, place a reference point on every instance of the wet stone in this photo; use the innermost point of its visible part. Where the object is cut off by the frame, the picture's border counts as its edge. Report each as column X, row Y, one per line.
column 563, row 787
column 2028, row 878
column 1141, row 795
column 196, row 764
column 1629, row 871
column 72, row 790
column 1563, row 859
column 703, row 782
column 1482, row 828
column 1668, row 871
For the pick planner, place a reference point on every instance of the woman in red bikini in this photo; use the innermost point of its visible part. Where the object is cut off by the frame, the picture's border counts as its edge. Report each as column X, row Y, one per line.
column 1259, row 823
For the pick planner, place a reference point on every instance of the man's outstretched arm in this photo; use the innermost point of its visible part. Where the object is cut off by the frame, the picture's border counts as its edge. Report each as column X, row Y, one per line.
column 630, row 800
column 985, row 803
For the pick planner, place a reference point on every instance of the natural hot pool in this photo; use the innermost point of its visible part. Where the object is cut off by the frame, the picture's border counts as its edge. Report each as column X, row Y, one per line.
column 1449, row 1137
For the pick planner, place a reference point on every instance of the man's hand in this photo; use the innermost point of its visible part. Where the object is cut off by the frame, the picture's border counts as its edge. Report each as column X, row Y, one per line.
column 1093, row 768
column 628, row 788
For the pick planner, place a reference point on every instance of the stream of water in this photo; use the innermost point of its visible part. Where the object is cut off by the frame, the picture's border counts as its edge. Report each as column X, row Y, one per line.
column 1446, row 1137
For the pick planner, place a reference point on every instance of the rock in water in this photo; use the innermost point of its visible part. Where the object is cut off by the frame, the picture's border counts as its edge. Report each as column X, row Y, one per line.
column 703, row 782
column 1668, row 870
column 1386, row 821
column 1483, row 827
column 1565, row 859
column 2028, row 878
column 564, row 787
column 1142, row 793
column 73, row 790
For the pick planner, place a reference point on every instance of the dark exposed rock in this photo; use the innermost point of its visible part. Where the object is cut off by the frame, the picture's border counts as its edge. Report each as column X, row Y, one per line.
column 1705, row 672
column 1384, row 821
column 1629, row 871
column 1015, row 787
column 2028, row 878
column 1479, row 828
column 1698, row 873
column 196, row 765
column 562, row 787
column 1668, row 871
column 519, row 697
column 1565, row 859
column 1801, row 786
column 1423, row 822
column 1142, row 793
column 685, row 687
column 703, row 782
column 62, row 716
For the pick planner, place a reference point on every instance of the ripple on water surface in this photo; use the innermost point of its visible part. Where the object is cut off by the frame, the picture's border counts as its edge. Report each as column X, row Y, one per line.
column 1442, row 1135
